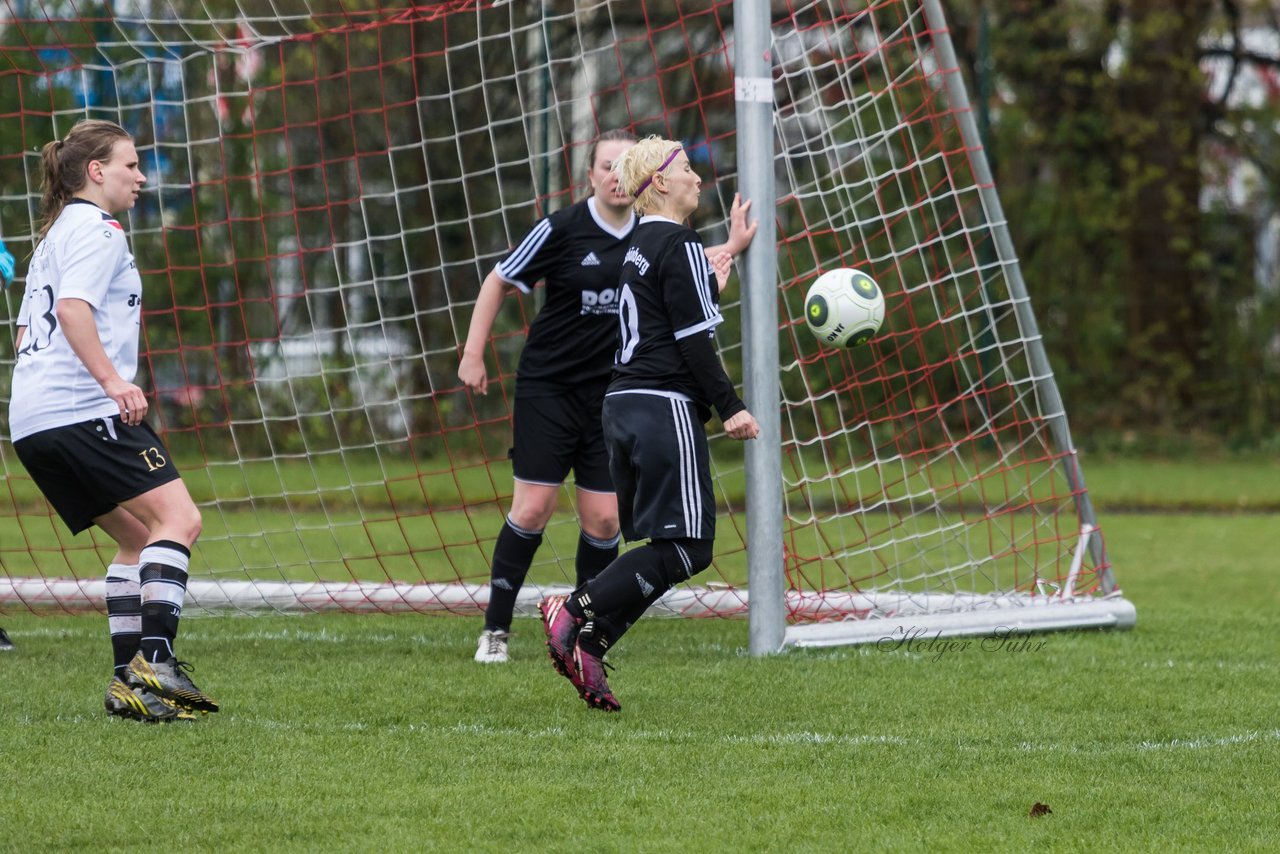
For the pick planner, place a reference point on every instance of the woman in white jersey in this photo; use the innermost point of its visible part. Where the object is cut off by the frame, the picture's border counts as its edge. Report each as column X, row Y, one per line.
column 76, row 416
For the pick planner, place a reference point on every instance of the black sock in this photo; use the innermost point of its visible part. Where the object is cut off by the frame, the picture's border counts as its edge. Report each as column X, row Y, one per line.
column 164, row 586
column 602, row 633
column 594, row 555
column 629, row 581
column 512, row 555
column 124, row 613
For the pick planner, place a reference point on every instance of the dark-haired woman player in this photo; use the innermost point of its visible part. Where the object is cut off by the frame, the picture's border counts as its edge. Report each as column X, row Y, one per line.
column 560, row 382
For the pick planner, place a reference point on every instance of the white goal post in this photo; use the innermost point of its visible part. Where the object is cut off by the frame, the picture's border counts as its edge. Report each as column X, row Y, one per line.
column 330, row 183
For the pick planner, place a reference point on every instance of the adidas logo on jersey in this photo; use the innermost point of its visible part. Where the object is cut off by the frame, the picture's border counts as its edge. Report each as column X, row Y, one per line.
column 591, row 260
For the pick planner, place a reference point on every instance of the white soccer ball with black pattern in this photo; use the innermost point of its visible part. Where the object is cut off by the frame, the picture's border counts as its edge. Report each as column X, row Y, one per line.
column 844, row 307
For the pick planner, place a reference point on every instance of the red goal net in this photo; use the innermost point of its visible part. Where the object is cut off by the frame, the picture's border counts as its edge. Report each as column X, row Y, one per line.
column 329, row 183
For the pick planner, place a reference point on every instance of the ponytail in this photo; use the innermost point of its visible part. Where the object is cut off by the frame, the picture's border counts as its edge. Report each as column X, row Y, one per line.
column 65, row 161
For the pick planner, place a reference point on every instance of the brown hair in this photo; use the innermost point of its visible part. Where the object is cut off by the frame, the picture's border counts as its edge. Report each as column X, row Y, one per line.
column 615, row 135
column 66, row 161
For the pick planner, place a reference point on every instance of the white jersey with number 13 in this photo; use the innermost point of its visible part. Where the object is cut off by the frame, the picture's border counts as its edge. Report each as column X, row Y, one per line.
column 84, row 255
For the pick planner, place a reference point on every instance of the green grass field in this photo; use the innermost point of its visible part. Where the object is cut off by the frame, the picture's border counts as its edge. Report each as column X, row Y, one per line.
column 355, row 733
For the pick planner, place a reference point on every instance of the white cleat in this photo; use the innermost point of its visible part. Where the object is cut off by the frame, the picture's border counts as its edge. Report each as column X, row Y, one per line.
column 492, row 647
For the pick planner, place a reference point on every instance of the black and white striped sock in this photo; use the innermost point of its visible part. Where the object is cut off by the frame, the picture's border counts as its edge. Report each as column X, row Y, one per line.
column 163, row 579
column 124, row 613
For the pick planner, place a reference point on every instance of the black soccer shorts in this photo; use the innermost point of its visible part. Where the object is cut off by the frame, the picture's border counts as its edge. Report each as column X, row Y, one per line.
column 85, row 470
column 555, row 433
column 661, row 467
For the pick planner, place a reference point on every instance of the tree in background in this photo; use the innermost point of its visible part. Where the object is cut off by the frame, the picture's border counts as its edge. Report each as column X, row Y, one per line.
column 1118, row 158
column 1101, row 128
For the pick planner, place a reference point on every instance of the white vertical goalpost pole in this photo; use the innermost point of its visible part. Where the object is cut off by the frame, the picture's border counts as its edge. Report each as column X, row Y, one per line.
column 753, row 94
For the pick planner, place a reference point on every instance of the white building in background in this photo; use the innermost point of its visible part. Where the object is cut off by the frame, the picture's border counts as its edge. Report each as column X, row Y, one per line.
column 1232, row 181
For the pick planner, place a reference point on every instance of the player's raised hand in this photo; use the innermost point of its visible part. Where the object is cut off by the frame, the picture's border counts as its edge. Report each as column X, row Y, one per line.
column 741, row 232
column 742, row 426
column 472, row 373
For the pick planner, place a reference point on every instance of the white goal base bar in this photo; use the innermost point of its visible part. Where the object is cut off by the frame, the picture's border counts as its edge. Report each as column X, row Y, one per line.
column 970, row 616
column 880, row 616
column 208, row 596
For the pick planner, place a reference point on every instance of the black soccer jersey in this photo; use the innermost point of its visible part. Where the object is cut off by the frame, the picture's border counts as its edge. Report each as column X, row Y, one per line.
column 669, row 308
column 573, row 339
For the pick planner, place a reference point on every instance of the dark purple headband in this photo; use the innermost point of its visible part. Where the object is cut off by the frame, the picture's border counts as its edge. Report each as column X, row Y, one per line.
column 647, row 181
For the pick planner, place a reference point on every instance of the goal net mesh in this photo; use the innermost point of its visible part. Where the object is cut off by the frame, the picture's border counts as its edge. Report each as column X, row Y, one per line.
column 329, row 181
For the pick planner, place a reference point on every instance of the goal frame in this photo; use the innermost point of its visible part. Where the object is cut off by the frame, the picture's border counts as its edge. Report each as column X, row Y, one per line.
column 962, row 615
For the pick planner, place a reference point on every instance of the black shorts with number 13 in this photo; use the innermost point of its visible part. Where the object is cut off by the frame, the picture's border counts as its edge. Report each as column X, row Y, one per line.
column 86, row 470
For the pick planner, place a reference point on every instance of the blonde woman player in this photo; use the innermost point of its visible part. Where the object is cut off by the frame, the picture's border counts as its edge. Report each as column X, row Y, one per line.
column 561, row 379
column 667, row 379
column 76, row 416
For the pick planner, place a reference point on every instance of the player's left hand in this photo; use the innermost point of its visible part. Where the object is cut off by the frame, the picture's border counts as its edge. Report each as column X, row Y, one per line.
column 740, row 231
column 742, row 426
column 130, row 399
column 722, row 266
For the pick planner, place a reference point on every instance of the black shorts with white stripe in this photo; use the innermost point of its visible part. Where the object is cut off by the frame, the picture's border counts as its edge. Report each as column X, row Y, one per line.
column 660, row 465
column 553, row 433
column 85, row 470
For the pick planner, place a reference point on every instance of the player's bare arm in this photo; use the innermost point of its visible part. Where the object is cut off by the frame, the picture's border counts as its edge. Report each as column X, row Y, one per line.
column 471, row 369
column 76, row 318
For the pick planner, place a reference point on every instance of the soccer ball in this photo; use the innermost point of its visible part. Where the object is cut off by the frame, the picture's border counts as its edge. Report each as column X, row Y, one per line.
column 844, row 307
